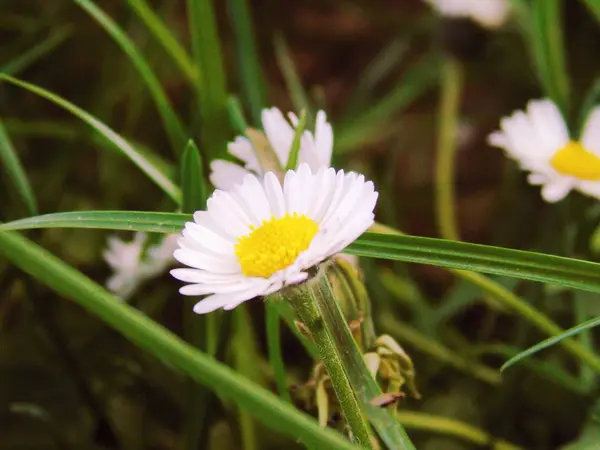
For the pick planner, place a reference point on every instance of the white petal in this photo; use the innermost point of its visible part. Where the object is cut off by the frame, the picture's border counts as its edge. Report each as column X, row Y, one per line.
column 203, row 276
column 204, row 261
column 557, row 189
column 279, row 133
column 274, row 194
column 225, row 175
column 590, row 137
column 591, row 188
column 242, row 148
column 228, row 301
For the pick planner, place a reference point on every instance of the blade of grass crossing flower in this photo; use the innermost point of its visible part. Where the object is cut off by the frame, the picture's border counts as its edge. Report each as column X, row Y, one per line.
column 272, row 322
column 153, row 172
column 250, row 75
column 520, row 264
column 548, row 34
column 211, row 86
column 174, row 128
column 363, row 384
column 590, row 100
column 193, row 184
column 587, row 325
column 163, row 35
column 195, row 327
column 292, row 79
column 292, row 161
column 15, row 172
column 164, row 345
column 38, row 51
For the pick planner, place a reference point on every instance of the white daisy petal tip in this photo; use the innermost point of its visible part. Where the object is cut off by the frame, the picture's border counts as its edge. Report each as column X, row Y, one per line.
column 539, row 140
column 490, row 14
column 280, row 249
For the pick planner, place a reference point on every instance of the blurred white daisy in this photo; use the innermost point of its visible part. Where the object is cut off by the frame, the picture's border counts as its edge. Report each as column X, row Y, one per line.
column 487, row 13
column 263, row 235
column 538, row 139
column 315, row 150
column 131, row 266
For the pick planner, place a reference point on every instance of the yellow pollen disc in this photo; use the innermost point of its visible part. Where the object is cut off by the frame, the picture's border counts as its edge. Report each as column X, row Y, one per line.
column 574, row 160
column 275, row 244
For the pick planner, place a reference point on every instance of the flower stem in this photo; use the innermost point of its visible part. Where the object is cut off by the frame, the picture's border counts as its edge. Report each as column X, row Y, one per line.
column 446, row 149
column 304, row 302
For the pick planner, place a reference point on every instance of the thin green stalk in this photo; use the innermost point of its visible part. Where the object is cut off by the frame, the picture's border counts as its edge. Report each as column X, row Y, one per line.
column 452, row 427
column 520, row 306
column 249, row 72
column 303, row 300
column 274, row 349
column 446, row 149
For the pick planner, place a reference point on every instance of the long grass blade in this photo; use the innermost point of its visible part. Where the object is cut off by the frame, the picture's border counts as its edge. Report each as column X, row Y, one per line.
column 154, row 338
column 211, row 86
column 15, row 172
column 174, row 128
column 144, row 164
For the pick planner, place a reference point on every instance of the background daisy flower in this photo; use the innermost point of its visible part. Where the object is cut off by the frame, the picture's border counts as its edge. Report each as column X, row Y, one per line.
column 263, row 235
column 315, row 149
column 132, row 266
column 487, row 13
column 538, row 139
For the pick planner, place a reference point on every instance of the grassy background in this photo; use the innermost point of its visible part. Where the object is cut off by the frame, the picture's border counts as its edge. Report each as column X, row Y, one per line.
column 68, row 381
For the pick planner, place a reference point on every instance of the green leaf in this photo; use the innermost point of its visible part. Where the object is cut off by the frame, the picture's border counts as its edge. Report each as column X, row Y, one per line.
column 575, row 273
column 14, row 170
column 193, row 184
column 272, row 322
column 236, row 115
column 292, row 161
column 594, row 7
column 153, row 172
column 32, row 55
column 154, row 338
column 292, row 79
column 163, row 35
column 249, row 72
column 548, row 46
column 590, row 100
column 173, row 127
column 551, row 341
column 211, row 86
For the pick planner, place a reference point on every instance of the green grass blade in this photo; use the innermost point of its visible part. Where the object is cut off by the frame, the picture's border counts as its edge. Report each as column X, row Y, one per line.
column 371, row 124
column 272, row 322
column 15, row 172
column 292, row 79
column 590, row 100
column 570, row 272
column 292, row 161
column 43, row 48
column 236, row 115
column 154, row 338
column 549, row 48
column 174, row 128
column 250, row 75
column 588, row 324
column 163, row 35
column 193, row 184
column 195, row 328
column 594, row 7
column 152, row 171
column 211, row 87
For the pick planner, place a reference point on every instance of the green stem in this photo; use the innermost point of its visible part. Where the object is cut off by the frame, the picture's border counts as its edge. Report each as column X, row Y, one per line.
column 446, row 149
column 304, row 302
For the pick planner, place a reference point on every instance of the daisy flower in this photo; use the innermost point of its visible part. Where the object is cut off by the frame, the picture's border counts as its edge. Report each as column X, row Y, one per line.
column 538, row 139
column 487, row 13
column 131, row 267
column 315, row 149
column 263, row 234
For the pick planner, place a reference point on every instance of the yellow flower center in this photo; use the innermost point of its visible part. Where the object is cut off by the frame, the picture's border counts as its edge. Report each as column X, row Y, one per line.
column 574, row 160
column 275, row 244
